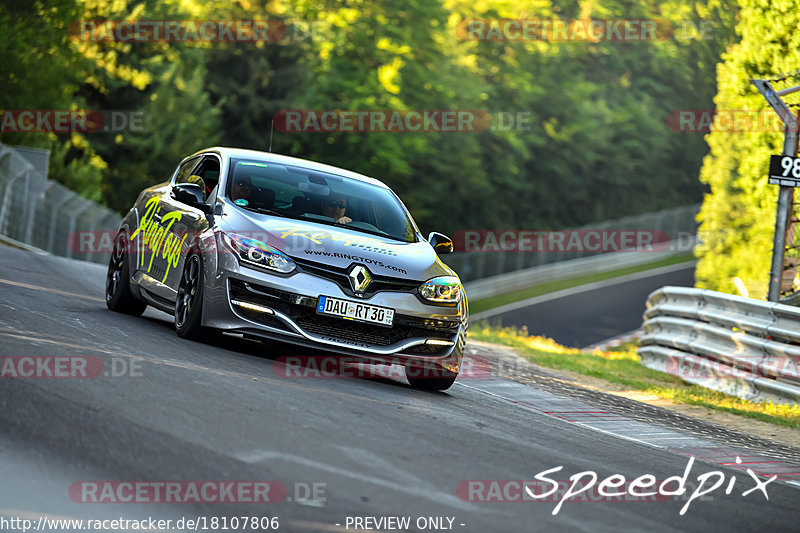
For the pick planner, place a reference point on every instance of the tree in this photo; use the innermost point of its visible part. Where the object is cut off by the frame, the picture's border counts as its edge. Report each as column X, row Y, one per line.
column 163, row 82
column 738, row 215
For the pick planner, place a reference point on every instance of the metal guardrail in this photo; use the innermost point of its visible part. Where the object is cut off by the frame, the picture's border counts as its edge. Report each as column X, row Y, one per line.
column 741, row 346
column 677, row 224
column 522, row 279
column 44, row 214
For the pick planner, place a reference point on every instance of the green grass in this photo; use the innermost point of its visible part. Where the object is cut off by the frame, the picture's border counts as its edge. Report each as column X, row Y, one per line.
column 496, row 301
column 622, row 367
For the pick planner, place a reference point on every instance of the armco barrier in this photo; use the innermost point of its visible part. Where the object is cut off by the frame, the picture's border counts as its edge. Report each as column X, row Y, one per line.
column 741, row 346
column 522, row 279
column 42, row 213
column 678, row 224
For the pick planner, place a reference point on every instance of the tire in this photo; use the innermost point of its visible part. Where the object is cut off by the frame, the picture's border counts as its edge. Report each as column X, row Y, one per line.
column 189, row 304
column 119, row 297
column 429, row 376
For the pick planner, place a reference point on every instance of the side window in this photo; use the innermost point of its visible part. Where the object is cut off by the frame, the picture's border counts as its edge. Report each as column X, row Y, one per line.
column 206, row 174
column 184, row 170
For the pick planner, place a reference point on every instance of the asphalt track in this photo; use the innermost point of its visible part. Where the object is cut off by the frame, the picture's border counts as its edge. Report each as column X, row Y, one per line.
column 221, row 411
column 584, row 317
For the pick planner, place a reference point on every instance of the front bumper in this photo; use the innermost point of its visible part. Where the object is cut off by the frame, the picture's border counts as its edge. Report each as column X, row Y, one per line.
column 244, row 300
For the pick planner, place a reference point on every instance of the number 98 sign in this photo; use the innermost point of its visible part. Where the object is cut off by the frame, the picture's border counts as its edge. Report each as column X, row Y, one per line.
column 784, row 170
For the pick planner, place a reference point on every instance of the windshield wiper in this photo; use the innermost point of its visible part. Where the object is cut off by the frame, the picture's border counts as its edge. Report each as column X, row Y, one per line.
column 265, row 211
column 377, row 232
column 332, row 222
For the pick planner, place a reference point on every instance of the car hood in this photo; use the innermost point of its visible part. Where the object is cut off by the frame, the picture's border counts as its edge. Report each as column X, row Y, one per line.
column 335, row 246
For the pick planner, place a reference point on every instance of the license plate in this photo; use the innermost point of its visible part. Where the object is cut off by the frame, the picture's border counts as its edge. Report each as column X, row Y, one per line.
column 355, row 311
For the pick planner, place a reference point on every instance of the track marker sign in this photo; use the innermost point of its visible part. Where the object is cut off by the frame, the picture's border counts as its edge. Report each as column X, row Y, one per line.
column 784, row 170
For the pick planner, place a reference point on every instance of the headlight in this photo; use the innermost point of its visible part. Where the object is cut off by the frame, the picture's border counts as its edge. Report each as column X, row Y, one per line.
column 258, row 254
column 442, row 290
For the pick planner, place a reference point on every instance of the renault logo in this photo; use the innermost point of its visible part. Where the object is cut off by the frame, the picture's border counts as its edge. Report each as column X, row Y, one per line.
column 359, row 278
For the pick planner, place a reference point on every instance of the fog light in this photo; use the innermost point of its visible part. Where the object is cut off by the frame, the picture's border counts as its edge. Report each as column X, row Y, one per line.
column 438, row 342
column 253, row 307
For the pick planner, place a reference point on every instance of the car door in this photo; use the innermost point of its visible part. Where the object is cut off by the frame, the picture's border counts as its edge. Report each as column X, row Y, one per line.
column 184, row 222
column 158, row 237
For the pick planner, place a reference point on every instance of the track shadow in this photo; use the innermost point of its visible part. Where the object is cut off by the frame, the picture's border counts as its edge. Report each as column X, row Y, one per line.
column 303, row 362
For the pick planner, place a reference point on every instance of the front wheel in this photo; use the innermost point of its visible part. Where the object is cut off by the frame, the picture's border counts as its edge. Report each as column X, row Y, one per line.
column 118, row 282
column 429, row 376
column 189, row 305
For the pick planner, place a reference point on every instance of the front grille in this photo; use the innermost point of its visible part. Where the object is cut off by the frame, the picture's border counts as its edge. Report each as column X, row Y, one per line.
column 348, row 330
column 341, row 278
column 302, row 310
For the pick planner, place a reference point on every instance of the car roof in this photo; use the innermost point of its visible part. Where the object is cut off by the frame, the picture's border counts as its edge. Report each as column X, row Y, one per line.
column 241, row 153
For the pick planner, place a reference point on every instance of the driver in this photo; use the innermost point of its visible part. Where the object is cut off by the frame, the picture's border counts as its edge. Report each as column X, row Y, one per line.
column 241, row 189
column 335, row 207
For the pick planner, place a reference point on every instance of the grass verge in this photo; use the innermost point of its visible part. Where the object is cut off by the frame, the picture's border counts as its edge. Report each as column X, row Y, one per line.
column 502, row 299
column 622, row 367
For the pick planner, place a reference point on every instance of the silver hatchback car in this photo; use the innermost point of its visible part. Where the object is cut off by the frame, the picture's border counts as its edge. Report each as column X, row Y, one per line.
column 273, row 247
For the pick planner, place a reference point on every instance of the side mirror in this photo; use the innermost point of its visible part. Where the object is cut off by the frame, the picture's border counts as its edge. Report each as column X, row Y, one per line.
column 191, row 194
column 441, row 243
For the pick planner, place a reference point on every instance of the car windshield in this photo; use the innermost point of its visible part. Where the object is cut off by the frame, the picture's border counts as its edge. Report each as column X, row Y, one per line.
column 307, row 194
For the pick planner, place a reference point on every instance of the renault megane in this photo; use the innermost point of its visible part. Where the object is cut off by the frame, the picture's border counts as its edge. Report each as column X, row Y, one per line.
column 274, row 247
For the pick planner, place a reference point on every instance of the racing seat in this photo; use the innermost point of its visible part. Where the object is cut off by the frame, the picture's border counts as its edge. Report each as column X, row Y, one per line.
column 211, row 179
column 263, row 198
column 300, row 205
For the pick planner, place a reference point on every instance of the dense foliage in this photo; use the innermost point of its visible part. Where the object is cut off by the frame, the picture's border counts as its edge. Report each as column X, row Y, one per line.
column 594, row 143
column 738, row 217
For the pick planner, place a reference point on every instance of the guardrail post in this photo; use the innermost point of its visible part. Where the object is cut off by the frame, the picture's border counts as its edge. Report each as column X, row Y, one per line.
column 35, row 192
column 87, row 204
column 782, row 216
column 52, row 231
column 29, row 195
column 103, row 214
column 785, row 194
column 7, row 198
